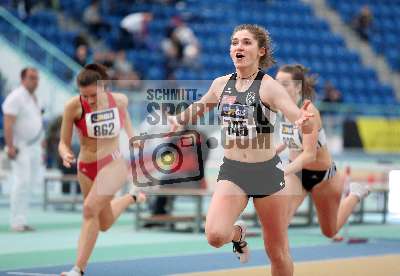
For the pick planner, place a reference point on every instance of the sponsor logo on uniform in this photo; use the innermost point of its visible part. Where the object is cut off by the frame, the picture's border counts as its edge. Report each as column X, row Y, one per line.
column 235, row 111
column 251, row 98
column 106, row 115
column 287, row 129
column 279, row 166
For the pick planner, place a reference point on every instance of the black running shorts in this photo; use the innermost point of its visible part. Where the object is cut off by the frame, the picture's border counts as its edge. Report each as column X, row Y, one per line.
column 311, row 178
column 257, row 180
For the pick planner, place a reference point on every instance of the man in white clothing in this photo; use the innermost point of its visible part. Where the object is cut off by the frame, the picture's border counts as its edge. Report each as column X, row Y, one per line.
column 23, row 134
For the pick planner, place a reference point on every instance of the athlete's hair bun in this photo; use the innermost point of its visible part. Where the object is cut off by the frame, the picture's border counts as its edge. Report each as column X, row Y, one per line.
column 91, row 74
column 99, row 68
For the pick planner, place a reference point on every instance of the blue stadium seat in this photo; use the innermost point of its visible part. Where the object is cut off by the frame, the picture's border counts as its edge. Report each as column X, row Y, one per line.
column 298, row 36
column 385, row 34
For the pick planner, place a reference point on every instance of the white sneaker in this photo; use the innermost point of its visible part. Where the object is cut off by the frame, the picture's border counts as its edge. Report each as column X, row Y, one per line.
column 359, row 190
column 240, row 248
column 75, row 271
column 139, row 196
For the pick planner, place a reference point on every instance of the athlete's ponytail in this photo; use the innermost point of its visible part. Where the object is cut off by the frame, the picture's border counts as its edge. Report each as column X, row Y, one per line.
column 91, row 74
column 300, row 73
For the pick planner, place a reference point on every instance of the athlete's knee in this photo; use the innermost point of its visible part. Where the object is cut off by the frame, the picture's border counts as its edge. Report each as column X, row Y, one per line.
column 89, row 211
column 216, row 238
column 104, row 226
column 329, row 232
column 279, row 256
column 277, row 250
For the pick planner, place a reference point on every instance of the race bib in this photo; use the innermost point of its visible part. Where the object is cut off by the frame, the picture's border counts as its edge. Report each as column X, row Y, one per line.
column 289, row 136
column 237, row 120
column 103, row 124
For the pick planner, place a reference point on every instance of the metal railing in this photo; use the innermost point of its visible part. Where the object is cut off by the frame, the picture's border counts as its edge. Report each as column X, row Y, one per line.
column 33, row 44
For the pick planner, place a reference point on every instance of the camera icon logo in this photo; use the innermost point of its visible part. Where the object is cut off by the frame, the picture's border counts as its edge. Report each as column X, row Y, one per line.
column 166, row 158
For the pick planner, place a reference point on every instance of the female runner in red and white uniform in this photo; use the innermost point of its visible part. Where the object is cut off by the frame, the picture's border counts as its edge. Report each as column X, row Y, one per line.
column 99, row 116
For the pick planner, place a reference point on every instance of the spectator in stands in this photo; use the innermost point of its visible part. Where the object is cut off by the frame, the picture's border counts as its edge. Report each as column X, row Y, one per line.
column 185, row 35
column 24, row 8
column 93, row 19
column 54, row 161
column 173, row 52
column 105, row 58
column 133, row 30
column 180, row 47
column 52, row 140
column 124, row 72
column 81, row 55
column 362, row 23
column 331, row 94
column 119, row 69
column 81, row 39
column 23, row 132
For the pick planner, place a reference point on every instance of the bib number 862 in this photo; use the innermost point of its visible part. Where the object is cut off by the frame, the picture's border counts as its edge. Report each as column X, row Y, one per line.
column 104, row 129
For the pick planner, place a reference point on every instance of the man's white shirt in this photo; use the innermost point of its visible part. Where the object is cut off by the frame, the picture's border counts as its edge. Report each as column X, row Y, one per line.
column 29, row 124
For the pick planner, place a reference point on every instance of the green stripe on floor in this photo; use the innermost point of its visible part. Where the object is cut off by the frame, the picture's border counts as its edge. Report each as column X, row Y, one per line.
column 136, row 245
